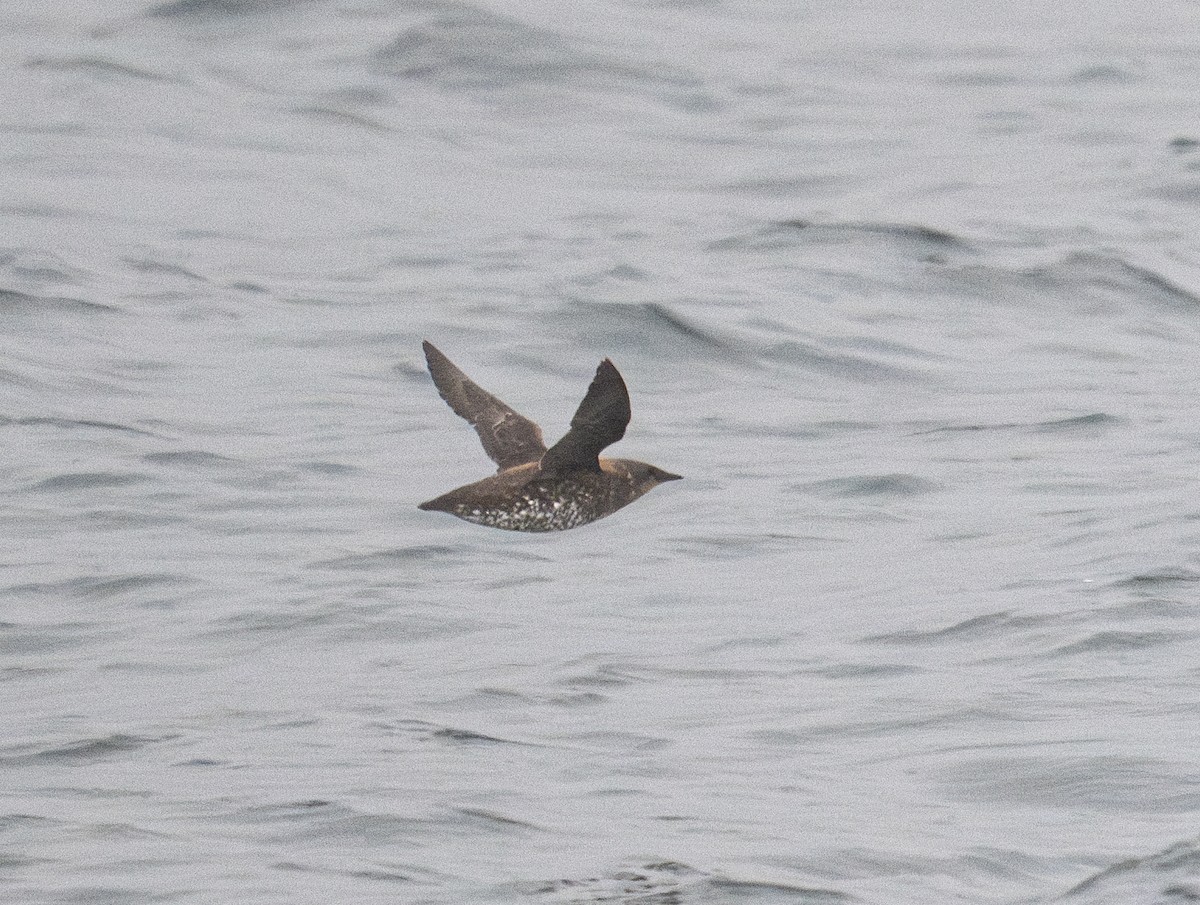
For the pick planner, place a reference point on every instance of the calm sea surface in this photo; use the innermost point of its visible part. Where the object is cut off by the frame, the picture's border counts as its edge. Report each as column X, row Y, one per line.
column 909, row 292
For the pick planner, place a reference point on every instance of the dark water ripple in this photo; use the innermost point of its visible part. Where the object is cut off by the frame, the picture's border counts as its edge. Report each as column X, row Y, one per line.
column 839, row 364
column 871, row 485
column 101, row 587
column 13, row 304
column 423, row 731
column 466, row 47
column 190, row 459
column 97, row 67
column 917, row 242
column 1115, row 642
column 990, row 625
column 86, row 481
column 1171, row 875
column 79, row 752
column 1167, row 578
column 1099, row 783
column 1113, row 275
column 669, row 882
column 72, row 424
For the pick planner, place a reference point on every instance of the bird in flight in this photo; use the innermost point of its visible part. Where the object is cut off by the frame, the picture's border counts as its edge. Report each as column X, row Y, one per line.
column 535, row 488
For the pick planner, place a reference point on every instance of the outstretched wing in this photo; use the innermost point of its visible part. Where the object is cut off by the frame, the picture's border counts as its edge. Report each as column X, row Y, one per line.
column 599, row 421
column 508, row 438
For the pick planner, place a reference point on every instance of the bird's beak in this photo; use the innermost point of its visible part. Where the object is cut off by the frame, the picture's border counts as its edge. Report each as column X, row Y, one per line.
column 664, row 476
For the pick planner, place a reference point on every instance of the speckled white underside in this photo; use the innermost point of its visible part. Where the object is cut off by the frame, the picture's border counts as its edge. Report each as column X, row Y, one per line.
column 534, row 514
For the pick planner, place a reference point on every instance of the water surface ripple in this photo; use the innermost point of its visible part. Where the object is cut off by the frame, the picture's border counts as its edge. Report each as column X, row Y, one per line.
column 911, row 296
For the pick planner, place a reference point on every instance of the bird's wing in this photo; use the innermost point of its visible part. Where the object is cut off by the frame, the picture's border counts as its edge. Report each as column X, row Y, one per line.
column 599, row 421
column 508, row 438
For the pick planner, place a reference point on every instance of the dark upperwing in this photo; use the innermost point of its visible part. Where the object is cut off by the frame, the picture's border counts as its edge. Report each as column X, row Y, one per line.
column 599, row 421
column 508, row 438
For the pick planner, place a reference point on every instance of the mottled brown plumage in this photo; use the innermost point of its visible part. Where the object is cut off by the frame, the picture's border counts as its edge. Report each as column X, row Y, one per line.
column 508, row 438
column 535, row 488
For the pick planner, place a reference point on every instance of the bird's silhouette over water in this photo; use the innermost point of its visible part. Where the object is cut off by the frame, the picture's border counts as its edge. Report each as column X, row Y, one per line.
column 535, row 488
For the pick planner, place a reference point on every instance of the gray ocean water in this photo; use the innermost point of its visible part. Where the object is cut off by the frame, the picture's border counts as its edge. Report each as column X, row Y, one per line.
column 910, row 293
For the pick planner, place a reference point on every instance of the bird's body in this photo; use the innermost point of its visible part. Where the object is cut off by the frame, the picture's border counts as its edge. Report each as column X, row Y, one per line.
column 522, row 499
column 540, row 489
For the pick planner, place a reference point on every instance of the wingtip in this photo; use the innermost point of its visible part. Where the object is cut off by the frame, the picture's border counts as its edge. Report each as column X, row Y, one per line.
column 434, row 357
column 607, row 367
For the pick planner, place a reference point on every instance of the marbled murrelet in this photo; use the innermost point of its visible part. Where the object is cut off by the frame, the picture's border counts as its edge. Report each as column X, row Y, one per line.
column 535, row 488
